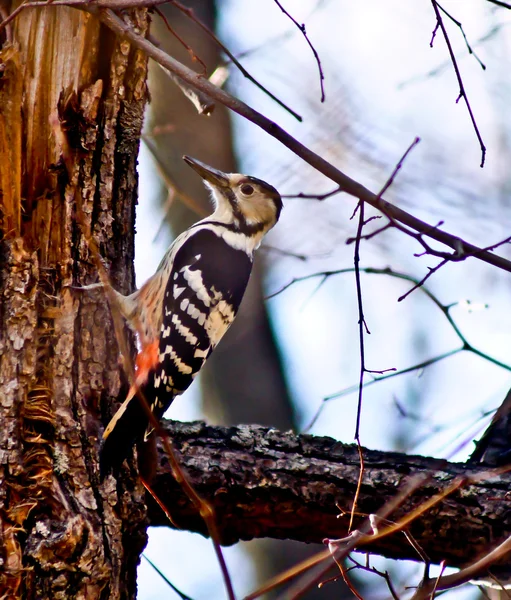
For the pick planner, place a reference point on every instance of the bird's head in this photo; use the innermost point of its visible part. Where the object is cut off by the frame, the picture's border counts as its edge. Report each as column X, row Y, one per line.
column 250, row 204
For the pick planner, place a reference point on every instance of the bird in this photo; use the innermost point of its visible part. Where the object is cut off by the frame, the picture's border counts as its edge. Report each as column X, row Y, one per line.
column 182, row 312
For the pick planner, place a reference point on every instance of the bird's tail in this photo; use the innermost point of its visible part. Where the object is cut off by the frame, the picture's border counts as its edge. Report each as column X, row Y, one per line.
column 130, row 421
column 126, row 427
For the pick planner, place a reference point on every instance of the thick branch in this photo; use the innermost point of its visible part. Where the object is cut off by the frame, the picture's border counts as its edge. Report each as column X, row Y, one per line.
column 265, row 483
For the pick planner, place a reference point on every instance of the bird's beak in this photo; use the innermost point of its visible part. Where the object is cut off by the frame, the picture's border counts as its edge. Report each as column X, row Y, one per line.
column 213, row 176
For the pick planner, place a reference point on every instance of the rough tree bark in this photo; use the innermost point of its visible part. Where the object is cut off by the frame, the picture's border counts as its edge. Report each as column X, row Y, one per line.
column 72, row 98
column 265, row 483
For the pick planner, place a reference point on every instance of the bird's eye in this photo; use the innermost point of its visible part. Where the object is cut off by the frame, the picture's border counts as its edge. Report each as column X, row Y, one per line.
column 247, row 189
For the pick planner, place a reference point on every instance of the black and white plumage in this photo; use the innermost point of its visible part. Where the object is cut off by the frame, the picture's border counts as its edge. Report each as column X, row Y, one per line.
column 185, row 308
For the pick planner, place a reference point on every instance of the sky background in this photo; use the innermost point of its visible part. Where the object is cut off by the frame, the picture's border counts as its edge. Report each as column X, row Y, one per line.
column 384, row 86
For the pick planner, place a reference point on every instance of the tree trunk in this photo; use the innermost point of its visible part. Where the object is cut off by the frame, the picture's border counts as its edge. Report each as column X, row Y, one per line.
column 72, row 99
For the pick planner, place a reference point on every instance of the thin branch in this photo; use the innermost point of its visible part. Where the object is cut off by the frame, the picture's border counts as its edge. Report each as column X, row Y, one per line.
column 465, row 344
column 337, row 190
column 347, row 184
column 396, row 373
column 282, row 252
column 419, row 284
column 469, row 47
column 500, row 3
column 344, row 573
column 15, row 13
column 187, row 200
column 435, row 587
column 435, row 71
column 464, row 575
column 4, row 16
column 383, row 574
column 205, row 509
column 316, row 55
column 363, row 536
column 362, row 329
column 399, row 166
column 187, row 47
column 158, row 501
column 189, row 12
column 362, row 325
column 114, row 4
column 166, row 579
column 462, row 93
column 275, row 40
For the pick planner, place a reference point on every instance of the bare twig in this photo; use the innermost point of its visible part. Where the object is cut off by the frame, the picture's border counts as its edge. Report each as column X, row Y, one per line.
column 435, row 71
column 204, row 508
column 469, row 47
column 465, row 344
column 462, row 92
column 420, row 283
column 446, row 257
column 159, row 502
column 189, row 12
column 383, row 574
column 463, row 575
column 362, row 329
column 4, row 16
column 186, row 46
column 362, row 325
column 433, row 591
column 314, row 196
column 500, row 3
column 398, row 167
column 344, row 573
column 166, row 579
column 282, row 252
column 301, row 27
column 187, row 200
column 396, row 274
column 114, row 4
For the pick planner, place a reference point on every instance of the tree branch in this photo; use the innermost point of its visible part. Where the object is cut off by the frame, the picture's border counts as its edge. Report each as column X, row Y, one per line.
column 265, row 483
column 347, row 184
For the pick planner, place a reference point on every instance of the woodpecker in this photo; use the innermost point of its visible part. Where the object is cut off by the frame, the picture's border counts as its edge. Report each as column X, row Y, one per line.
column 182, row 312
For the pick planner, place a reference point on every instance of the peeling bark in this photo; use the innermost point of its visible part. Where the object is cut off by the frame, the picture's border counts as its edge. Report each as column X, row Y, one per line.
column 265, row 483
column 71, row 105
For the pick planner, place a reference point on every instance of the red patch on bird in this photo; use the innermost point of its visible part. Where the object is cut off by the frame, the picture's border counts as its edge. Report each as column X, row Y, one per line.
column 146, row 361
